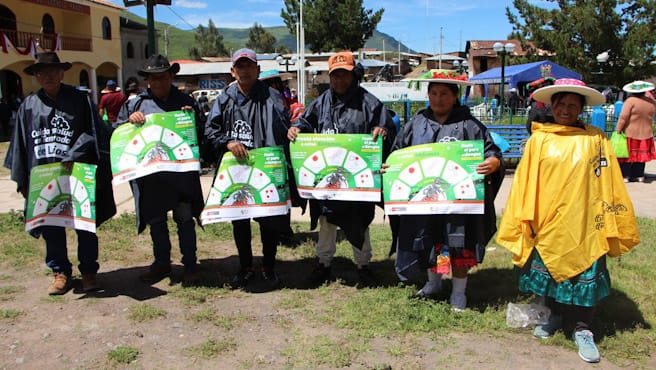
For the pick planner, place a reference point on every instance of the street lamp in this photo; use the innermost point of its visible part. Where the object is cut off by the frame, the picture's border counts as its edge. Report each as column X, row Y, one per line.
column 461, row 67
column 602, row 59
column 286, row 61
column 502, row 50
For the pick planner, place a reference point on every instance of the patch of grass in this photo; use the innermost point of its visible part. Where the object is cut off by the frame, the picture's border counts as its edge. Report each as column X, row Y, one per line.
column 9, row 314
column 326, row 352
column 212, row 348
column 294, row 299
column 53, row 298
column 123, row 355
column 193, row 296
column 144, row 312
column 8, row 293
column 227, row 321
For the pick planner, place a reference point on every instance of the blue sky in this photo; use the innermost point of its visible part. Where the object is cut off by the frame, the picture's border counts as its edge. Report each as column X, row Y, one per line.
column 416, row 23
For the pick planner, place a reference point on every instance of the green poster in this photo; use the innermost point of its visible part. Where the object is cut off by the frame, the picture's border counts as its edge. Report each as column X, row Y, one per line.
column 337, row 167
column 166, row 142
column 254, row 187
column 60, row 197
column 437, row 178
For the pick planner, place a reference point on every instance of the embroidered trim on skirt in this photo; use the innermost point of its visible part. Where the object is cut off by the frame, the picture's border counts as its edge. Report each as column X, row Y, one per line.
column 586, row 289
column 640, row 150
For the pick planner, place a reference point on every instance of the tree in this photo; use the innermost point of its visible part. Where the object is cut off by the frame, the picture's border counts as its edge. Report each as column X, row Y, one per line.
column 210, row 41
column 260, row 40
column 577, row 31
column 332, row 24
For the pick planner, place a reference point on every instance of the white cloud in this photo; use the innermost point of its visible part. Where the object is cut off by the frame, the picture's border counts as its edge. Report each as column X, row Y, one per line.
column 190, row 4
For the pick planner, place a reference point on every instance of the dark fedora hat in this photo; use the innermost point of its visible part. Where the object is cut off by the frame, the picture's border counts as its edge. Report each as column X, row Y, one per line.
column 158, row 64
column 46, row 59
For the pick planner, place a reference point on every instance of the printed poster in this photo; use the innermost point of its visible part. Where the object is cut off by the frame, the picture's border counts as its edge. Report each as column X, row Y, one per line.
column 60, row 197
column 255, row 187
column 166, row 142
column 437, row 178
column 337, row 167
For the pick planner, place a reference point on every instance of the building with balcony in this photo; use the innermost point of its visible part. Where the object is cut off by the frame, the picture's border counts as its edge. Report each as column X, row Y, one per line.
column 82, row 32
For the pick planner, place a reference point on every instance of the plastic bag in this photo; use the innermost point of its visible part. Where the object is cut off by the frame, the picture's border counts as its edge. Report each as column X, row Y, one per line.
column 500, row 142
column 618, row 142
column 525, row 315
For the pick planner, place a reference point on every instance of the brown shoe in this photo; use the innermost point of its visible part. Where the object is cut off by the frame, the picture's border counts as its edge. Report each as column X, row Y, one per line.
column 155, row 273
column 59, row 285
column 90, row 283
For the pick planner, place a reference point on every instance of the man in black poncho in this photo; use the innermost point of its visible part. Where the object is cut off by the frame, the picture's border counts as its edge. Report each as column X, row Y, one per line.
column 160, row 192
column 250, row 115
column 59, row 123
column 345, row 108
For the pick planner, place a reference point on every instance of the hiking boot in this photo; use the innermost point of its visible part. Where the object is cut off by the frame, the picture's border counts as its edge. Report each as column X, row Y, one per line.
column 366, row 277
column 90, row 283
column 270, row 277
column 155, row 273
column 60, row 284
column 458, row 302
column 319, row 275
column 547, row 330
column 242, row 278
column 587, row 349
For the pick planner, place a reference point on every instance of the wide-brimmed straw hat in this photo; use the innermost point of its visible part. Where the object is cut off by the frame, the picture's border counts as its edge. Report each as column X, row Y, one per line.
column 638, row 87
column 445, row 76
column 158, row 64
column 46, row 59
column 570, row 85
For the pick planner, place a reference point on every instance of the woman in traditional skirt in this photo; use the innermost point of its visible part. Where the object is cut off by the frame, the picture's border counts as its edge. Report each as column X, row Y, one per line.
column 567, row 210
column 636, row 121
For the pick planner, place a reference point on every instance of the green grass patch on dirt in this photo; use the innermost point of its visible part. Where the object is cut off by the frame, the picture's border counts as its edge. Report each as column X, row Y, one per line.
column 353, row 317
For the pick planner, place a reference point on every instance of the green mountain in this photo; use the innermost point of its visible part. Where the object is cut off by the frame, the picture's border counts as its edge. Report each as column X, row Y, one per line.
column 180, row 41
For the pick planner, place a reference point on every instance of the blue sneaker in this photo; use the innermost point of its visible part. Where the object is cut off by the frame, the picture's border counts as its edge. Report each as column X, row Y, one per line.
column 547, row 330
column 587, row 349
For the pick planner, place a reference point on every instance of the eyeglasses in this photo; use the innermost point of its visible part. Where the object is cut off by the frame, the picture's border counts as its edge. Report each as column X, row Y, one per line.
column 47, row 72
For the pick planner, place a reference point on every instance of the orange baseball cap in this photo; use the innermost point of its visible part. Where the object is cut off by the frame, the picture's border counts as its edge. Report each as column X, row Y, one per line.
column 341, row 60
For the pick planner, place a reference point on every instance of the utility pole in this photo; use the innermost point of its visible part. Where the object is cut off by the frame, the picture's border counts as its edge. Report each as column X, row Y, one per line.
column 150, row 18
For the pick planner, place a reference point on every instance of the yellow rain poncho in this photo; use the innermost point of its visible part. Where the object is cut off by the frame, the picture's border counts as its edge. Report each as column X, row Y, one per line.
column 569, row 201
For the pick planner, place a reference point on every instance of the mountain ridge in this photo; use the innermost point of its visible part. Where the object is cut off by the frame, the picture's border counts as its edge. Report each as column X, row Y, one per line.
column 180, row 41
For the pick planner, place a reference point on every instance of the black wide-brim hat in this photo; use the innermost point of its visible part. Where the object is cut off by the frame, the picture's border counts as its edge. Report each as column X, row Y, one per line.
column 158, row 64
column 46, row 59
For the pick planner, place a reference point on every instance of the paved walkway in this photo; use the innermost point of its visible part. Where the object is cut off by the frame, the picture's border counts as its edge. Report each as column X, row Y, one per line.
column 643, row 196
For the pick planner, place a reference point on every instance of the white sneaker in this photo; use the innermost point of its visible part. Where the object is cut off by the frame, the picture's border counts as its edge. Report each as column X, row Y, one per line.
column 458, row 302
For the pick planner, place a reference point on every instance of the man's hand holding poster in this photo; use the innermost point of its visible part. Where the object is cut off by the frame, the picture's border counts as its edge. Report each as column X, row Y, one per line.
column 255, row 187
column 437, row 178
column 61, row 196
column 337, row 167
column 166, row 142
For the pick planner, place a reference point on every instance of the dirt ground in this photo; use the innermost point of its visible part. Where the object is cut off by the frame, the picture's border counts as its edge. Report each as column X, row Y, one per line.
column 247, row 330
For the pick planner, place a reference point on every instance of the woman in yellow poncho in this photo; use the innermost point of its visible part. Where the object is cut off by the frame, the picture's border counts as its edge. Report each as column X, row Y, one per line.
column 568, row 208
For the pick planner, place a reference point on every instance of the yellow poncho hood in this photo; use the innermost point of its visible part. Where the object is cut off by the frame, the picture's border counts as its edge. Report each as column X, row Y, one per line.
column 568, row 200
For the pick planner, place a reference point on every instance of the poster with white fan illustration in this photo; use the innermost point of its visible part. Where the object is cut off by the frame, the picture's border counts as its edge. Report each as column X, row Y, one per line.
column 62, row 197
column 337, row 167
column 254, row 187
column 166, row 142
column 436, row 178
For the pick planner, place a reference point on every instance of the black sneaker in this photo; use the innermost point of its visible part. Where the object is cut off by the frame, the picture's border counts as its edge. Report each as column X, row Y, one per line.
column 366, row 277
column 242, row 278
column 319, row 275
column 270, row 277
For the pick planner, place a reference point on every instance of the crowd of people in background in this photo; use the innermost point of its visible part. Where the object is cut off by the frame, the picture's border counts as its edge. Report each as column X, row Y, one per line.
column 556, row 258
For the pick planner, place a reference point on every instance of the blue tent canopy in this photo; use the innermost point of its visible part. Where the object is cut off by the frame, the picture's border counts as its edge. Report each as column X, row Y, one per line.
column 515, row 74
